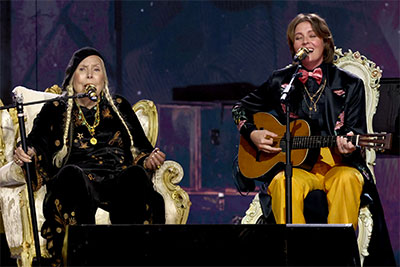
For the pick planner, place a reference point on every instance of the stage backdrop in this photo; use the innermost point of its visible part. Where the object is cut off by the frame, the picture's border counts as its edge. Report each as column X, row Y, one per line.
column 152, row 47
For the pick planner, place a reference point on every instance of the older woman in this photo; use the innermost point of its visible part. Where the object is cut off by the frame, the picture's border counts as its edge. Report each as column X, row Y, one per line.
column 333, row 102
column 91, row 153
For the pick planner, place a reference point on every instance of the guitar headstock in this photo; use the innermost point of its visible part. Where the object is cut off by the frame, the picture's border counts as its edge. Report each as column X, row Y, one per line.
column 377, row 141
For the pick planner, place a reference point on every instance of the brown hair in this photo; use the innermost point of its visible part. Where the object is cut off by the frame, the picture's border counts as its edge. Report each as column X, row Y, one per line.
column 321, row 29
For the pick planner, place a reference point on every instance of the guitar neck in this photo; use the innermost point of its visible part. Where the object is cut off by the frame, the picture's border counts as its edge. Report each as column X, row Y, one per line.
column 304, row 142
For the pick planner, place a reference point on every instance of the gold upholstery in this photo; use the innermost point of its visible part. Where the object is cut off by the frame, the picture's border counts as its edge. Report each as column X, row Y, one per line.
column 13, row 191
column 366, row 70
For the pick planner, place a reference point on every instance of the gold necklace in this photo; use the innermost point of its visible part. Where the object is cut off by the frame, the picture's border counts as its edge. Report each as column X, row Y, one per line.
column 313, row 103
column 91, row 128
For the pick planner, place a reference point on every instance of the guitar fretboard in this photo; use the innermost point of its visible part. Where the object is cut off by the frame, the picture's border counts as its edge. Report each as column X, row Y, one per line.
column 303, row 142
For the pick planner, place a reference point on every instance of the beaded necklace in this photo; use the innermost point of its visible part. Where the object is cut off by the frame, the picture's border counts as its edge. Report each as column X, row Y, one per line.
column 91, row 128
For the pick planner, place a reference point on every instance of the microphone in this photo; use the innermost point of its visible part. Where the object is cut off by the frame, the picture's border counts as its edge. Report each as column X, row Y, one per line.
column 301, row 54
column 90, row 92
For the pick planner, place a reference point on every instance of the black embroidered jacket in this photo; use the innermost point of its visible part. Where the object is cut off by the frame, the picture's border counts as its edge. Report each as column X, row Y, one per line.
column 110, row 155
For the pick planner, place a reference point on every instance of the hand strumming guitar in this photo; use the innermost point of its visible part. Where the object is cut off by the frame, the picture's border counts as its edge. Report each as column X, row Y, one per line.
column 263, row 140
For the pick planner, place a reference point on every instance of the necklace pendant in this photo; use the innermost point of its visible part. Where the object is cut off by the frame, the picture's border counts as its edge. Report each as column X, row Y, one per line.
column 93, row 141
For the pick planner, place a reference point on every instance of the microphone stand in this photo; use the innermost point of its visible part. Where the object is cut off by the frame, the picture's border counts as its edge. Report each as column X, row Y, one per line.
column 19, row 105
column 288, row 165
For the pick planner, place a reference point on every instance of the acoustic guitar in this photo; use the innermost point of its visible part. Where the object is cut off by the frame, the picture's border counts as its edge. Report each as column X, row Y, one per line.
column 305, row 148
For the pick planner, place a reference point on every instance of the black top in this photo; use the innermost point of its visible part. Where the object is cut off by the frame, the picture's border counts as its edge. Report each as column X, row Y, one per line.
column 103, row 160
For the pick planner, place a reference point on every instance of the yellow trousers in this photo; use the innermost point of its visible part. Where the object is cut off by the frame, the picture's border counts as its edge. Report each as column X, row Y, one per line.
column 342, row 184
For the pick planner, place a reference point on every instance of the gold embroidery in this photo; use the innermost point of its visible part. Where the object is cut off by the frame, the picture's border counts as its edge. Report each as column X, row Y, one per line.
column 107, row 113
column 90, row 176
column 80, row 136
column 72, row 221
column 139, row 157
column 84, row 145
column 57, row 142
column 115, row 138
column 40, row 173
column 49, row 244
column 119, row 100
column 77, row 121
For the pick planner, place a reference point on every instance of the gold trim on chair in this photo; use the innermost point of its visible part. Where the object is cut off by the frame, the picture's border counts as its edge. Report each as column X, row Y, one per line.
column 166, row 181
column 365, row 224
column 254, row 212
column 147, row 109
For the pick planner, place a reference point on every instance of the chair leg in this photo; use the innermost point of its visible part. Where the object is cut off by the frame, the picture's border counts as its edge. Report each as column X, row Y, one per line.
column 25, row 260
column 365, row 224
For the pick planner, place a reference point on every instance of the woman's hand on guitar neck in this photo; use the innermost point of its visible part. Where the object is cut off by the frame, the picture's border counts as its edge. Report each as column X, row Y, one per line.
column 343, row 145
column 263, row 140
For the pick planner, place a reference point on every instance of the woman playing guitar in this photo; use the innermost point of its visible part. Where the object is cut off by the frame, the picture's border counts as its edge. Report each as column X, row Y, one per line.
column 327, row 97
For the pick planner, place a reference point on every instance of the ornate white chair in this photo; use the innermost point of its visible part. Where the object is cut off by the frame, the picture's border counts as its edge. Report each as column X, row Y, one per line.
column 14, row 194
column 370, row 74
column 6, row 152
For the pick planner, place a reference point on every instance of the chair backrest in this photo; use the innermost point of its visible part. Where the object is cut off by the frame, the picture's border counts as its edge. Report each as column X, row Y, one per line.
column 146, row 112
column 366, row 70
column 31, row 111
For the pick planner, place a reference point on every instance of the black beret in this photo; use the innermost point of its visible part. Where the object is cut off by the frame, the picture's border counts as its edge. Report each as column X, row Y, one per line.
column 76, row 58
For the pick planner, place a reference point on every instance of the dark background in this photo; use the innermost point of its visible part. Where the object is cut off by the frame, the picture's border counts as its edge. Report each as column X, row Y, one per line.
column 193, row 59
